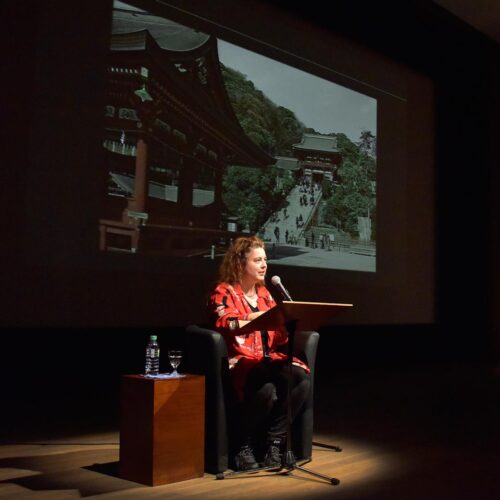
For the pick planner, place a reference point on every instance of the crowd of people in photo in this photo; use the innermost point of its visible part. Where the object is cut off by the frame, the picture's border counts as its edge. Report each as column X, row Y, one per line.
column 309, row 191
column 325, row 241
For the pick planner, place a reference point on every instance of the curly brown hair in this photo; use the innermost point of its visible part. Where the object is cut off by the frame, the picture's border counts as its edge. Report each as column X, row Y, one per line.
column 233, row 263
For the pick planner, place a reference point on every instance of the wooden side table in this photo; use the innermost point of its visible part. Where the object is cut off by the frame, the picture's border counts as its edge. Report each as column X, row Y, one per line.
column 162, row 429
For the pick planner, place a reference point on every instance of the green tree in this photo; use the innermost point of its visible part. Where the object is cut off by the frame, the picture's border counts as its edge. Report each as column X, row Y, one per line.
column 273, row 128
column 354, row 195
column 367, row 143
column 249, row 193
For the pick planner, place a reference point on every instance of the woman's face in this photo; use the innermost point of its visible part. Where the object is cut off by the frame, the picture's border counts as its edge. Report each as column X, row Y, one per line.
column 256, row 266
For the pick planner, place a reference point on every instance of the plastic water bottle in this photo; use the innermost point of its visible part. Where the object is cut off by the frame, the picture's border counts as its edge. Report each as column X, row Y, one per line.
column 152, row 366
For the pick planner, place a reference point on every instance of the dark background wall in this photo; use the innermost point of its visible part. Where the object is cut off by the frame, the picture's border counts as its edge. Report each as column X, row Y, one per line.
column 55, row 56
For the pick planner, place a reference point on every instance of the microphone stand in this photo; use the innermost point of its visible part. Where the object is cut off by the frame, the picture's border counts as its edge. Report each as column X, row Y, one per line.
column 276, row 281
column 289, row 461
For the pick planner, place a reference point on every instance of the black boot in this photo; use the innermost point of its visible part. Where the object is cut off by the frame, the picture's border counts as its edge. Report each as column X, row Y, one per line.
column 244, row 460
column 273, row 455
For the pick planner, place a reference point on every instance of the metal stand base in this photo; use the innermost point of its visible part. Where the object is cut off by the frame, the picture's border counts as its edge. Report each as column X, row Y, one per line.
column 251, row 473
column 290, row 464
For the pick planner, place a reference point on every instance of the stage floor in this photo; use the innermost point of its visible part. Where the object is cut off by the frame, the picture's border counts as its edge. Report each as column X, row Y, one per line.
column 411, row 433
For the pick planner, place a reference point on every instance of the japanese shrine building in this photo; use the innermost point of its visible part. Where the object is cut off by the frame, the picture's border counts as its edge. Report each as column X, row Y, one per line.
column 170, row 133
column 318, row 156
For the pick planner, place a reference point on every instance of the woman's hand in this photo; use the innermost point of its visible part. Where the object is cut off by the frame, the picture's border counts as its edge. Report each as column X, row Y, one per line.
column 250, row 317
column 255, row 315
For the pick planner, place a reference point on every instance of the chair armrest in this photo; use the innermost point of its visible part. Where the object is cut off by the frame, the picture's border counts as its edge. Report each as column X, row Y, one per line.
column 206, row 351
column 306, row 347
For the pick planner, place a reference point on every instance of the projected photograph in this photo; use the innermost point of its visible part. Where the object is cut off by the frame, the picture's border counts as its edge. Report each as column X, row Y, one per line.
column 205, row 141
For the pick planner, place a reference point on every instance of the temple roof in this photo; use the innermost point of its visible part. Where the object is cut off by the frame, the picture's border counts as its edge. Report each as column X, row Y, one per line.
column 312, row 142
column 167, row 34
column 287, row 163
column 190, row 64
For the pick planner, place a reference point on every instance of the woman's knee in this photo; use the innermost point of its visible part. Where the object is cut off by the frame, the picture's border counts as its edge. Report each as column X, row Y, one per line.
column 261, row 401
column 267, row 395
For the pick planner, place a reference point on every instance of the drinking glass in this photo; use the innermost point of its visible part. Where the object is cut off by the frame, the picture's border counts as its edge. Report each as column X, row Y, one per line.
column 175, row 358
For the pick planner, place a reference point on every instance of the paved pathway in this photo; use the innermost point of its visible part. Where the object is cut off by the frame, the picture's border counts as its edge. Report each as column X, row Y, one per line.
column 295, row 252
column 285, row 219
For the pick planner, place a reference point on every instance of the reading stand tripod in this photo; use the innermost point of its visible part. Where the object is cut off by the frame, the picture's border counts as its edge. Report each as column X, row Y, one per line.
column 289, row 461
column 309, row 316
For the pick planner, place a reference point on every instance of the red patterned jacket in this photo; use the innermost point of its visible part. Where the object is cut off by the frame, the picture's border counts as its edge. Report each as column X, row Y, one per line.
column 226, row 306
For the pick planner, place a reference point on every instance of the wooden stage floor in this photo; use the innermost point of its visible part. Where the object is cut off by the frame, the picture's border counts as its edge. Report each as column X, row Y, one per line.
column 426, row 433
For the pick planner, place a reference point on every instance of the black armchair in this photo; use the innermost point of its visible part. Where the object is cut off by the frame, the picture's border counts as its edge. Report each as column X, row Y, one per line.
column 206, row 354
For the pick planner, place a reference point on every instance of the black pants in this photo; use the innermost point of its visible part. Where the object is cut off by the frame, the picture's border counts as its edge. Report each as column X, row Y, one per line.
column 262, row 414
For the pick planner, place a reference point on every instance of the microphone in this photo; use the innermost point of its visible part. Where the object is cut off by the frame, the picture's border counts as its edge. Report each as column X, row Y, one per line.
column 276, row 281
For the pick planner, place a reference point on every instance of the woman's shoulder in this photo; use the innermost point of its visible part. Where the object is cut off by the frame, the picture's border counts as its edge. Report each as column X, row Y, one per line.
column 223, row 287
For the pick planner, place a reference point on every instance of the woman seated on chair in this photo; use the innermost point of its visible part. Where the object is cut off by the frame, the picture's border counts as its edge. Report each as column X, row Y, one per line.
column 257, row 360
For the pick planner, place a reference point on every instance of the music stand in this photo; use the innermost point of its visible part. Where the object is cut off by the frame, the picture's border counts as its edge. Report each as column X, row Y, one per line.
column 294, row 315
